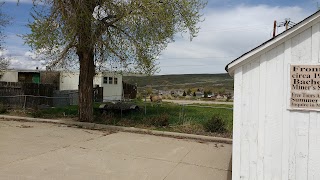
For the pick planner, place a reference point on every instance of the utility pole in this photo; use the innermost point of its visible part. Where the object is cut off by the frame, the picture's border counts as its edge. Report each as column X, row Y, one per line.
column 287, row 24
column 274, row 28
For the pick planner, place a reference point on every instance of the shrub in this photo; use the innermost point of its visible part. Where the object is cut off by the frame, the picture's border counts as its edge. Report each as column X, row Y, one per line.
column 215, row 124
column 3, row 109
column 184, row 93
column 139, row 97
column 105, row 118
column 169, row 96
column 157, row 121
column 37, row 114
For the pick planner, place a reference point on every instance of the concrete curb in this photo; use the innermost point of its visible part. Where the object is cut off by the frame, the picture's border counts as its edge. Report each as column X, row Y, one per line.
column 118, row 128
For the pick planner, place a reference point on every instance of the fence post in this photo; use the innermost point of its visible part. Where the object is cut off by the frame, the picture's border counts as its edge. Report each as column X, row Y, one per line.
column 25, row 101
column 183, row 113
column 180, row 112
column 145, row 105
column 70, row 99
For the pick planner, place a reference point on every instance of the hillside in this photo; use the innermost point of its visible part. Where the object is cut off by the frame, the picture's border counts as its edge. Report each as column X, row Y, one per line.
column 183, row 81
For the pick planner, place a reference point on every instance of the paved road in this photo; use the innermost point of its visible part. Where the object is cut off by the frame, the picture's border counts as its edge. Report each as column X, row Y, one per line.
column 48, row 151
column 196, row 102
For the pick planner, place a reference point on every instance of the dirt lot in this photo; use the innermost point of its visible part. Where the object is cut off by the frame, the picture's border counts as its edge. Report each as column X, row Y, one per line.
column 49, row 151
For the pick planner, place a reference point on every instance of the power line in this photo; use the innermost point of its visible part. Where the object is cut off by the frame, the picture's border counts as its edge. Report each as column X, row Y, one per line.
column 188, row 65
column 286, row 23
column 201, row 57
column 240, row 28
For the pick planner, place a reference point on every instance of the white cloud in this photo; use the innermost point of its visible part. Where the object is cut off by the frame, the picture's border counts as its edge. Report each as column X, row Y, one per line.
column 20, row 62
column 22, row 59
column 225, row 34
column 3, row 52
column 29, row 54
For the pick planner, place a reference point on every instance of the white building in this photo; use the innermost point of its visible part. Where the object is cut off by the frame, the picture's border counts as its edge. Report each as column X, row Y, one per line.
column 111, row 83
column 275, row 134
column 30, row 76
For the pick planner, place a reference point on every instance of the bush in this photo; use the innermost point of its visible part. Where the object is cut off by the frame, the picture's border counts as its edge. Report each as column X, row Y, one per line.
column 105, row 118
column 169, row 96
column 184, row 93
column 215, row 124
column 139, row 97
column 37, row 114
column 157, row 121
column 3, row 109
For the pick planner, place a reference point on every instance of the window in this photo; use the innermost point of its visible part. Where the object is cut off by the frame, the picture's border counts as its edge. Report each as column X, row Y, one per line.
column 110, row 80
column 115, row 80
column 105, row 80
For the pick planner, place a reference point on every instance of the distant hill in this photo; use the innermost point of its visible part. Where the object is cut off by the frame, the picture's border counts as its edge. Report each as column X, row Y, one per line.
column 182, row 81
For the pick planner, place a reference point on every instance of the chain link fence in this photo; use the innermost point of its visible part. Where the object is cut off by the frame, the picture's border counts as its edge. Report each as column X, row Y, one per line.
column 176, row 114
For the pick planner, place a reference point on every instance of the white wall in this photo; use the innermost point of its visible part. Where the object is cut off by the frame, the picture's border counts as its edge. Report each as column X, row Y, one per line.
column 10, row 76
column 70, row 81
column 112, row 91
column 269, row 141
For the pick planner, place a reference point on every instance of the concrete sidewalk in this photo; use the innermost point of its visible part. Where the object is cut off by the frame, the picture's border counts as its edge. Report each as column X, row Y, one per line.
column 52, row 151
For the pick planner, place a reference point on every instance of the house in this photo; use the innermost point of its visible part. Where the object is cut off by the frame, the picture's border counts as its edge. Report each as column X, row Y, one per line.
column 26, row 76
column 30, row 76
column 276, row 124
column 110, row 82
column 199, row 94
column 68, row 81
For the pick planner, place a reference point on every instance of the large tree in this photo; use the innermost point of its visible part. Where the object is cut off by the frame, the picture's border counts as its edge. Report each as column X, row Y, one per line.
column 4, row 21
column 131, row 32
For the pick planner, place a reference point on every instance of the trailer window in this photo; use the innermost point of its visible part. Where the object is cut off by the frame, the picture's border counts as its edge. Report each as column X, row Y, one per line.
column 105, row 80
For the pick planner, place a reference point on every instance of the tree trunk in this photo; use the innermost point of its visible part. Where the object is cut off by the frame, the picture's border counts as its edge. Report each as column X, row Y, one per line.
column 87, row 71
column 86, row 58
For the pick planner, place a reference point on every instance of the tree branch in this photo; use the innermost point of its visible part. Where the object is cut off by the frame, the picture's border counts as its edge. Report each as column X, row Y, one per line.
column 63, row 53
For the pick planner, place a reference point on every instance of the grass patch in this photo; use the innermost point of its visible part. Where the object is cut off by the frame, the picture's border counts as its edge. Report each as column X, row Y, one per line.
column 165, row 116
column 55, row 112
column 173, row 117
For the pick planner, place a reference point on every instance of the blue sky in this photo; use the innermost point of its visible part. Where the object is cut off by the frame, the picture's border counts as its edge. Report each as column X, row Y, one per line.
column 231, row 28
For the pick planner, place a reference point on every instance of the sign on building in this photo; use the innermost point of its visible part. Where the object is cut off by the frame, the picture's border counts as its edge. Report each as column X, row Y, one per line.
column 305, row 87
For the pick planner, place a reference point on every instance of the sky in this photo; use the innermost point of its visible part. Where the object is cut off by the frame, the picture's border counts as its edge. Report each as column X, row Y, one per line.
column 230, row 28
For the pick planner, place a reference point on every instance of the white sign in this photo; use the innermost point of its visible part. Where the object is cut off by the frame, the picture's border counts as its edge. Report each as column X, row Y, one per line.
column 305, row 87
